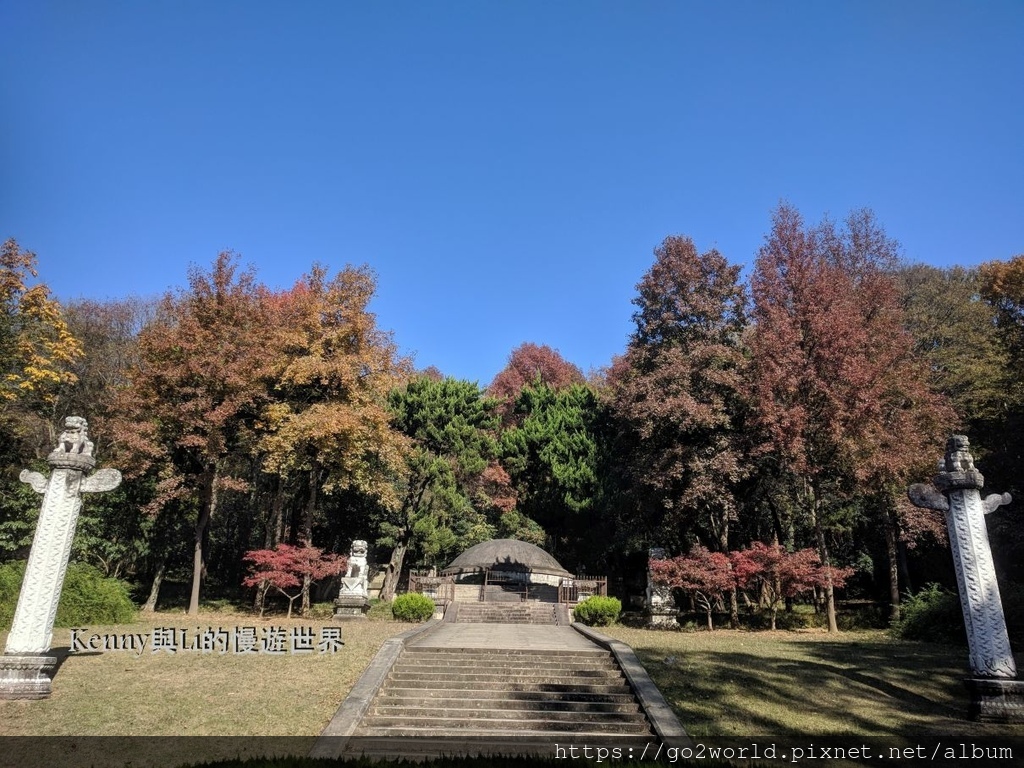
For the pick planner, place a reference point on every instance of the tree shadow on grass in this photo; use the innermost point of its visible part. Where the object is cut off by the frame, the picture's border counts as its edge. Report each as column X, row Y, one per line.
column 897, row 692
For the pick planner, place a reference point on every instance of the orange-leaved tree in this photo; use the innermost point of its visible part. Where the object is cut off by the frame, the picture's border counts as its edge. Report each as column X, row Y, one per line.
column 197, row 385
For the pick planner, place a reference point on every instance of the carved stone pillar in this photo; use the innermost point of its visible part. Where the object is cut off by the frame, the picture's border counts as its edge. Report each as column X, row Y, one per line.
column 25, row 667
column 661, row 603
column 996, row 695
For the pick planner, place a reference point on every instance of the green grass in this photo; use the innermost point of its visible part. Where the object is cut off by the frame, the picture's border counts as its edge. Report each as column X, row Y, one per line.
column 724, row 685
column 734, row 684
column 122, row 693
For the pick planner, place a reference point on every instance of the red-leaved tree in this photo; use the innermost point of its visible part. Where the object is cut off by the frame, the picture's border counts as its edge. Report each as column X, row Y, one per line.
column 531, row 364
column 702, row 573
column 839, row 396
column 287, row 568
column 777, row 574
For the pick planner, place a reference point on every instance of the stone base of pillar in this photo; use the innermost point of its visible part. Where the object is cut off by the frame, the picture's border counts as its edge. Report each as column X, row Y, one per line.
column 994, row 700
column 26, row 676
column 662, row 620
column 351, row 608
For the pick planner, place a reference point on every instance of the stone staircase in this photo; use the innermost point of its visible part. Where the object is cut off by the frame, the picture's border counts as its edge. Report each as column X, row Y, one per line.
column 492, row 701
column 522, row 612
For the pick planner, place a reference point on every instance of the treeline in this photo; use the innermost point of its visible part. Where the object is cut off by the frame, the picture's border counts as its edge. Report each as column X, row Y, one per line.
column 791, row 408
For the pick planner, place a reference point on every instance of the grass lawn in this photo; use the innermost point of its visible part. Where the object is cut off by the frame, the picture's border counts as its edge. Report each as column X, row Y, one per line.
column 734, row 685
column 724, row 685
column 189, row 693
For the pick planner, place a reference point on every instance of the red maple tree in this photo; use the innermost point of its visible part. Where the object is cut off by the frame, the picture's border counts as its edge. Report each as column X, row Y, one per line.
column 286, row 567
column 777, row 574
column 702, row 573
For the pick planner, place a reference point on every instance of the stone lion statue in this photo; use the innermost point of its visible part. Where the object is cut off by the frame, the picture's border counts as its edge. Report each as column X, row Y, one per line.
column 357, row 560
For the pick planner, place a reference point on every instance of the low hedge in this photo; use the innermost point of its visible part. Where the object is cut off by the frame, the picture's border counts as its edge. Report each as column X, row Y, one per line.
column 88, row 597
column 412, row 607
column 597, row 611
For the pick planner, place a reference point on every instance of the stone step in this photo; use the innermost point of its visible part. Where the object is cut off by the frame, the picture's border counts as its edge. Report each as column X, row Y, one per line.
column 519, row 674
column 511, row 686
column 426, row 743
column 392, row 703
column 506, row 652
column 497, row 711
column 513, row 697
column 491, row 696
column 400, row 726
column 456, row 663
column 498, row 612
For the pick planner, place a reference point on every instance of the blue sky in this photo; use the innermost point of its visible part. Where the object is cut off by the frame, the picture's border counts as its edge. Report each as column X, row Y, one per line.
column 506, row 168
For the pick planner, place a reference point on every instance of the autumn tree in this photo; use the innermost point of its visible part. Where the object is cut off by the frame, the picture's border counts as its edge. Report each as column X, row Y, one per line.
column 37, row 356
column 678, row 395
column 777, row 575
column 327, row 428
column 453, row 489
column 704, row 574
column 199, row 382
column 1002, row 290
column 956, row 332
column 108, row 333
column 37, row 350
column 842, row 403
column 286, row 567
column 531, row 364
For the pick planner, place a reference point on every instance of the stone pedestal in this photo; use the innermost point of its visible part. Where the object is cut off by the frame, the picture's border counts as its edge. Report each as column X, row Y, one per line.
column 26, row 675
column 351, row 607
column 995, row 701
column 354, row 597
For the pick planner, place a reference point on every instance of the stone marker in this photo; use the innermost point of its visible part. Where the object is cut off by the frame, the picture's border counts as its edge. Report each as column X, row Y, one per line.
column 354, row 596
column 25, row 669
column 996, row 694
column 661, row 604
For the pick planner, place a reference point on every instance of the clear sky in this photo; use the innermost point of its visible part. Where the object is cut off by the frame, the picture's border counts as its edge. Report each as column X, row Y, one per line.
column 506, row 168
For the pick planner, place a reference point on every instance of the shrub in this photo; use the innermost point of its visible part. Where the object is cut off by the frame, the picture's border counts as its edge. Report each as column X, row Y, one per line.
column 88, row 597
column 597, row 611
column 933, row 615
column 412, row 607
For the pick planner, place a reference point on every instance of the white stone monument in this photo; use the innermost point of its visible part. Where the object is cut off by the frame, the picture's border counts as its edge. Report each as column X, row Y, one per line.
column 25, row 667
column 661, row 604
column 996, row 694
column 354, row 596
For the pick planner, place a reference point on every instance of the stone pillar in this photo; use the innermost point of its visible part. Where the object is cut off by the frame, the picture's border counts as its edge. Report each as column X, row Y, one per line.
column 25, row 667
column 661, row 604
column 996, row 695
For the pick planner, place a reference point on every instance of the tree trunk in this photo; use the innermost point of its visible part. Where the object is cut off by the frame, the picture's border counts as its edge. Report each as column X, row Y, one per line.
column 734, row 609
column 819, row 534
column 276, row 522
column 206, row 512
column 889, row 523
column 306, row 534
column 723, row 543
column 393, row 571
column 154, row 590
